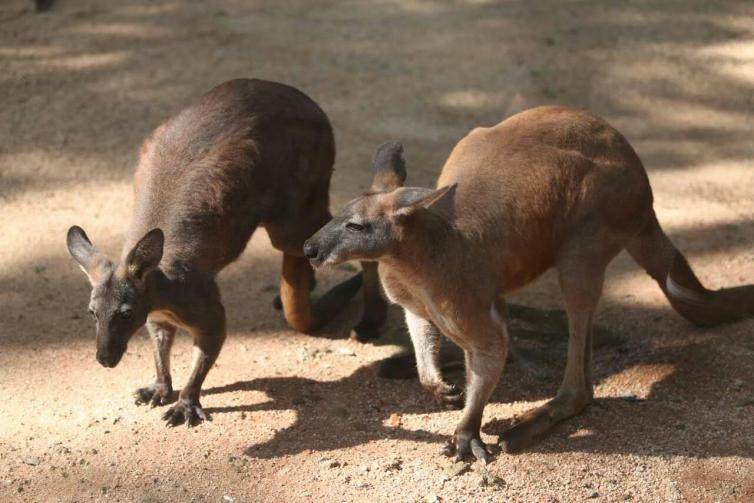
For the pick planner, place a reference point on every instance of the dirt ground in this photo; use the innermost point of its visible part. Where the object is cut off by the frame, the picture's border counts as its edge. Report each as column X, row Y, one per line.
column 300, row 418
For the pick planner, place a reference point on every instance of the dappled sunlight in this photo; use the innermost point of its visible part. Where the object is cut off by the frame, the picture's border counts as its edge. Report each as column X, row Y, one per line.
column 133, row 30
column 85, row 83
column 638, row 379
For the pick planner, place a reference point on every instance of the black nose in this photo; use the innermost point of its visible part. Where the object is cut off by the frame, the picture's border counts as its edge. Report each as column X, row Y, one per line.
column 310, row 250
column 104, row 360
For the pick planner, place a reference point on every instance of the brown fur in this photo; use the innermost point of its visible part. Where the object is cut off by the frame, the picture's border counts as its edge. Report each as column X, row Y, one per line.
column 549, row 187
column 249, row 153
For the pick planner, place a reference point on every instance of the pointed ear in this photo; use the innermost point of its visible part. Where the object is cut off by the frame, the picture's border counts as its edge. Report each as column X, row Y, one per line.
column 83, row 252
column 146, row 254
column 389, row 167
column 81, row 249
column 431, row 200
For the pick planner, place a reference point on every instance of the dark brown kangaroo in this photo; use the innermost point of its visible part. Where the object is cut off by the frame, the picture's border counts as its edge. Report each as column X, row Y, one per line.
column 248, row 153
column 549, row 187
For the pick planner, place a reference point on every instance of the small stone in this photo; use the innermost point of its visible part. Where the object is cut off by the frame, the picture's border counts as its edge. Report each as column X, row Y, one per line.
column 364, row 468
column 394, row 421
column 360, row 484
column 228, row 499
column 7, row 482
column 457, row 469
column 308, row 354
column 329, row 463
column 432, row 498
column 487, row 478
column 346, row 351
column 593, row 495
column 31, row 461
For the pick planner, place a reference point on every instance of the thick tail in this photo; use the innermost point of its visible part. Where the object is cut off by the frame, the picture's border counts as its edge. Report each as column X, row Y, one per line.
column 652, row 249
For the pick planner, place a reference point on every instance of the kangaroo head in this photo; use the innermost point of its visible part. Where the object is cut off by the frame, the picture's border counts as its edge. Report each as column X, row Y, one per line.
column 375, row 224
column 119, row 301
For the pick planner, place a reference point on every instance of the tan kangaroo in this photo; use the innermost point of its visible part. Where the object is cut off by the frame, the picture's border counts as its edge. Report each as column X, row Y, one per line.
column 549, row 187
column 249, row 153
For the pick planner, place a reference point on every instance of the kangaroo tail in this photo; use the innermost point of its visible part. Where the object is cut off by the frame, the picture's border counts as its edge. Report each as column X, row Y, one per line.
column 653, row 250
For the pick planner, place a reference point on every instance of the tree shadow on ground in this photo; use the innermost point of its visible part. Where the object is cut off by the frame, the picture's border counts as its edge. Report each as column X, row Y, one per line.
column 352, row 410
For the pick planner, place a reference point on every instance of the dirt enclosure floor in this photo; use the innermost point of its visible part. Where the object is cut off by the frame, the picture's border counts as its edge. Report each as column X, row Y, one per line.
column 301, row 418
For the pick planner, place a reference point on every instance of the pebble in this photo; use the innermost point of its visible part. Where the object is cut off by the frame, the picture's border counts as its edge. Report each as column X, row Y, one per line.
column 486, row 478
column 31, row 461
column 228, row 499
column 456, row 469
column 308, row 354
column 330, row 463
column 394, row 421
column 432, row 498
column 346, row 351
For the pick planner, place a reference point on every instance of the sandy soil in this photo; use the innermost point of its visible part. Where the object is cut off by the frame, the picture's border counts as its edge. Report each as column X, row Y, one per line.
column 307, row 418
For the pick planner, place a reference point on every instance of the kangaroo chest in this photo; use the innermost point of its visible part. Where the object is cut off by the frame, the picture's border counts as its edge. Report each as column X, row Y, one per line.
column 415, row 298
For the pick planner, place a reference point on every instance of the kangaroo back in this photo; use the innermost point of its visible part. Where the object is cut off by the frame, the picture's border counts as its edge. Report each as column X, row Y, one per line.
column 653, row 250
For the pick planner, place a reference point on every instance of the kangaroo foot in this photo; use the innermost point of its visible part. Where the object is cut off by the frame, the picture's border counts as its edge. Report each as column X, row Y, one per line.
column 466, row 444
column 155, row 394
column 535, row 424
column 185, row 410
column 449, row 396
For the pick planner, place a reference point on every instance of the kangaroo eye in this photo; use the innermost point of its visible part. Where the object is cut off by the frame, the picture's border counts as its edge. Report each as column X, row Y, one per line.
column 92, row 313
column 126, row 315
column 353, row 226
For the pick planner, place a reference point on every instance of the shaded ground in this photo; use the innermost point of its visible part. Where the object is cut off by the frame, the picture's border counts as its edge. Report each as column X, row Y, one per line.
column 297, row 417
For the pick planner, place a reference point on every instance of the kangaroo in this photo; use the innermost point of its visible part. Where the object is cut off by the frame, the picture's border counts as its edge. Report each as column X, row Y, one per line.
column 548, row 187
column 249, row 153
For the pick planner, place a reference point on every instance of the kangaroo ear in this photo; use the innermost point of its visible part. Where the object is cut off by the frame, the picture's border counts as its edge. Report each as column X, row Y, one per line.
column 146, row 254
column 432, row 200
column 389, row 167
column 83, row 252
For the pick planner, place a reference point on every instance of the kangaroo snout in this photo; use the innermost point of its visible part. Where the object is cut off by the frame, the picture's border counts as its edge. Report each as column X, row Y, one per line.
column 108, row 360
column 311, row 250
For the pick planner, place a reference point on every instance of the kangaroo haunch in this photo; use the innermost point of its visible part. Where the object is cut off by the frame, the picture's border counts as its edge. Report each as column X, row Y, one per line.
column 549, row 187
column 249, row 153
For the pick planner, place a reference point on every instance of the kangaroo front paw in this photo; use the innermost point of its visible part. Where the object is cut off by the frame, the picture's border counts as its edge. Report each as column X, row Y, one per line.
column 464, row 445
column 186, row 410
column 155, row 394
column 449, row 396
